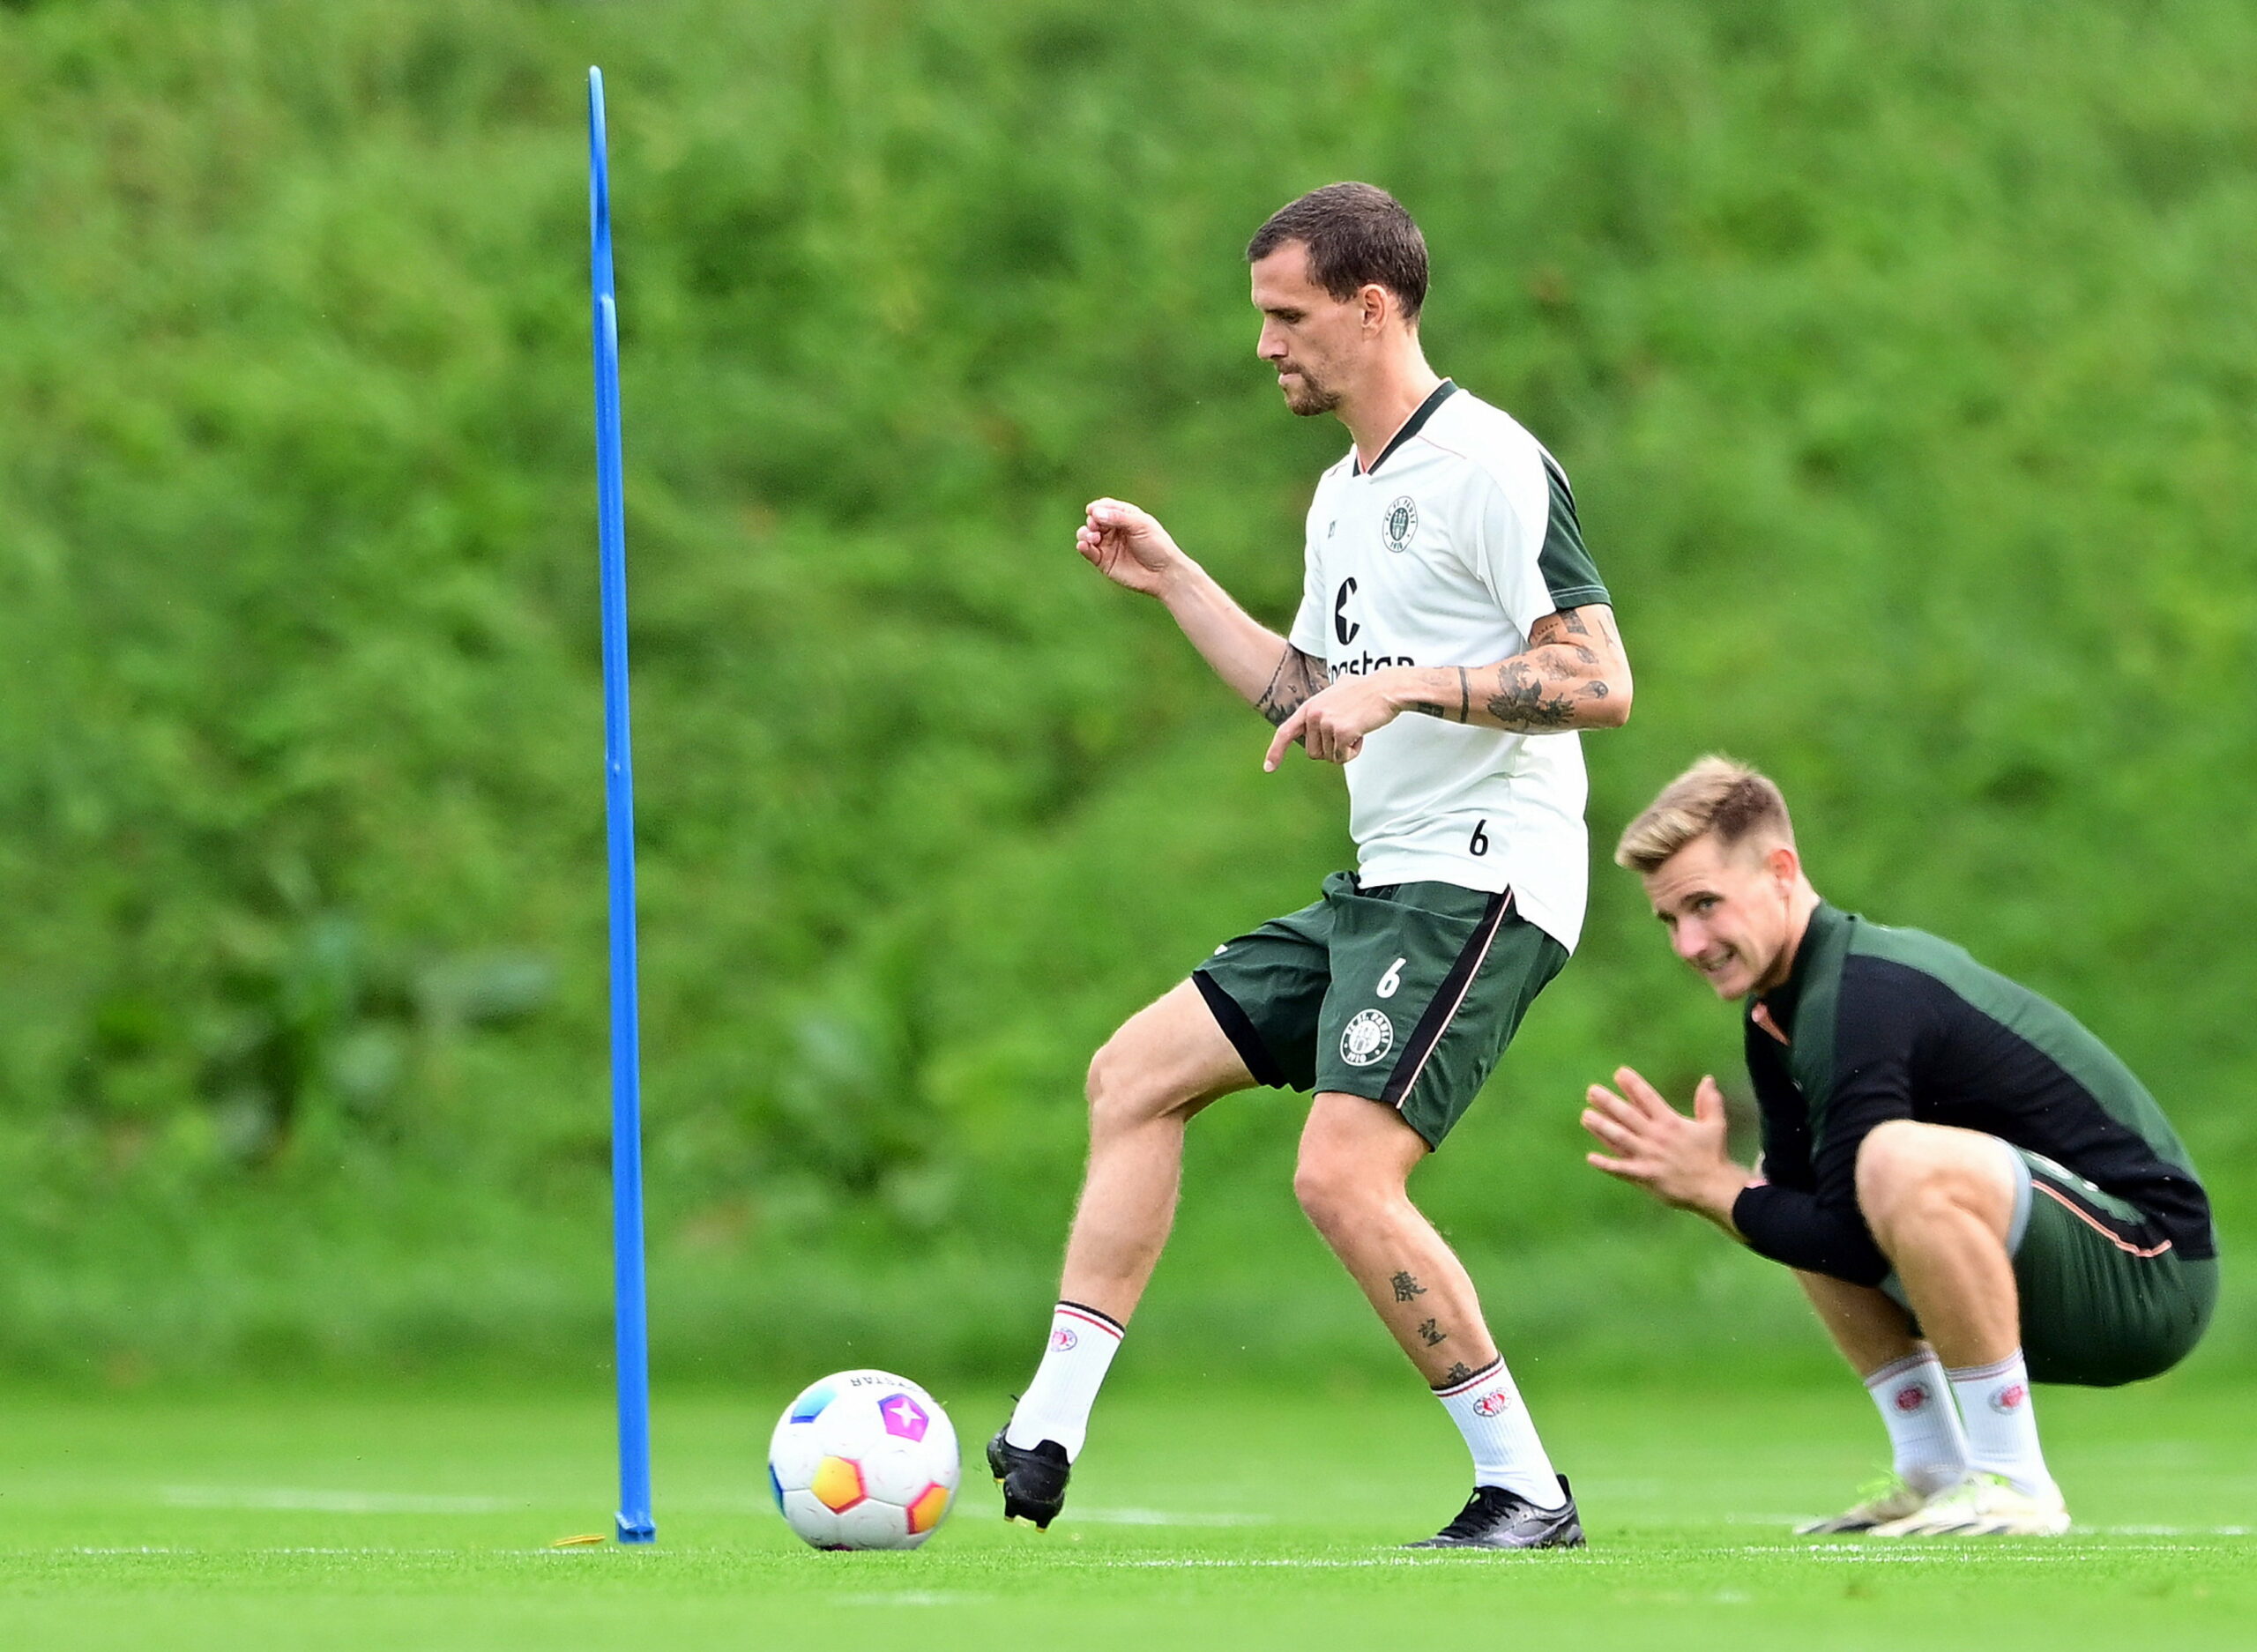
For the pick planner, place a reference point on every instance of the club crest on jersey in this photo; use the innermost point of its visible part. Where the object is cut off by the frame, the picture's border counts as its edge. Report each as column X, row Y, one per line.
column 1365, row 1039
column 1400, row 523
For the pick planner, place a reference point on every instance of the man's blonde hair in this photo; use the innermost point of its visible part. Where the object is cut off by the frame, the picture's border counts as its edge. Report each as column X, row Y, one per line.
column 1715, row 795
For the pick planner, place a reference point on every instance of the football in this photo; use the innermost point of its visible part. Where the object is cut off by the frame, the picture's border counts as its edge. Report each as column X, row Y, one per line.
column 863, row 1459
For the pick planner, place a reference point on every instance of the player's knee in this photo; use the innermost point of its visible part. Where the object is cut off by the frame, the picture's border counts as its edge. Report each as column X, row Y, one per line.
column 1334, row 1187
column 1121, row 1091
column 1319, row 1186
column 1900, row 1174
column 1109, row 1088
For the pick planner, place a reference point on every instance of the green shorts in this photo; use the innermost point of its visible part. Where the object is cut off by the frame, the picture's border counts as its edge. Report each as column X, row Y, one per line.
column 1406, row 993
column 2106, row 1297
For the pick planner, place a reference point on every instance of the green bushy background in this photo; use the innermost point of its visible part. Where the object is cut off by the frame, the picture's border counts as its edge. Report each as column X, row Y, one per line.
column 1903, row 356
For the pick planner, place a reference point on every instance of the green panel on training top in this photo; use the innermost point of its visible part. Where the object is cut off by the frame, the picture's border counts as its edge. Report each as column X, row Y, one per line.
column 1875, row 1023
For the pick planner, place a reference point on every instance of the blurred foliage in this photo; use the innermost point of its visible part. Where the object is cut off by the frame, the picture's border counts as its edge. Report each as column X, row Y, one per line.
column 1904, row 357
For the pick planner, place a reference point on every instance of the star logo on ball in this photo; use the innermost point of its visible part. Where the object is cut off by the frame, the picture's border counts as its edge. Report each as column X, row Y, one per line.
column 904, row 1418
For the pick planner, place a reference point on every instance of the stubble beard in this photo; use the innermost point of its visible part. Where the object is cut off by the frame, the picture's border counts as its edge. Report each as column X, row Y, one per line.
column 1305, row 398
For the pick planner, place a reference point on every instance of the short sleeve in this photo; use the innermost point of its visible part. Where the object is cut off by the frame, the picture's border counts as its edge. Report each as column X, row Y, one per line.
column 1530, row 554
column 1570, row 577
column 1308, row 633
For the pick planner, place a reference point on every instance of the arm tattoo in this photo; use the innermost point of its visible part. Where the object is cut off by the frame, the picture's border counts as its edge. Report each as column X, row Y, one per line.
column 1435, row 708
column 1554, row 628
column 1430, row 1333
column 1566, row 649
column 1407, row 1287
column 1521, row 702
column 1570, row 631
column 1298, row 679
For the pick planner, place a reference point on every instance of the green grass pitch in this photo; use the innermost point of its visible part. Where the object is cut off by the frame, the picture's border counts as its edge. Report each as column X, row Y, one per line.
column 1231, row 1518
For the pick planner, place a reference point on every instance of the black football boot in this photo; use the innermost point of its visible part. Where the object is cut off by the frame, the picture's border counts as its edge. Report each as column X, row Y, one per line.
column 1034, row 1479
column 1497, row 1519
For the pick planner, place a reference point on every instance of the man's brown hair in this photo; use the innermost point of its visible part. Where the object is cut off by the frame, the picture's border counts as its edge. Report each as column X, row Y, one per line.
column 1356, row 233
column 1714, row 796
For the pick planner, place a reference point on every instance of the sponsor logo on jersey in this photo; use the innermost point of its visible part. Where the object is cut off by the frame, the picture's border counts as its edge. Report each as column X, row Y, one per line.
column 1912, row 1396
column 1368, row 662
column 1347, row 630
column 1494, row 1404
column 1365, row 1039
column 904, row 1418
column 1400, row 523
column 2009, row 1399
column 1063, row 1339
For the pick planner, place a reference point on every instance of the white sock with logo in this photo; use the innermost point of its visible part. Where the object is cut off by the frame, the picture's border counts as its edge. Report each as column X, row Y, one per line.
column 1924, row 1437
column 2001, row 1425
column 1056, row 1404
column 1487, row 1409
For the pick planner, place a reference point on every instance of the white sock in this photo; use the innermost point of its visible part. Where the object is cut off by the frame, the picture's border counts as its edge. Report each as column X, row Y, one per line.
column 1924, row 1437
column 2001, row 1426
column 1056, row 1405
column 1487, row 1409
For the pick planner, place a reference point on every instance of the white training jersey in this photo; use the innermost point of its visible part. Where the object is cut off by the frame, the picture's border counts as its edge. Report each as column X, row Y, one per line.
column 1457, row 540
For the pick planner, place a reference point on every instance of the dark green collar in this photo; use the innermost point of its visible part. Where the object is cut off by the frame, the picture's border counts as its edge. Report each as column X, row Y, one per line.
column 1826, row 934
column 1425, row 411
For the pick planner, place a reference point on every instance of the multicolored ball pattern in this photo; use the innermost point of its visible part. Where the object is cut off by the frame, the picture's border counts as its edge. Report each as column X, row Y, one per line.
column 864, row 1460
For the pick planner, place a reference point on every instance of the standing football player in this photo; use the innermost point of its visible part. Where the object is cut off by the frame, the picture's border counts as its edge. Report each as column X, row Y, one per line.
column 1453, row 636
column 1973, row 1189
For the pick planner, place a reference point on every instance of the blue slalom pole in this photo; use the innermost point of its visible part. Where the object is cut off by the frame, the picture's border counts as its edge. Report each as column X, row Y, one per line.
column 633, row 1359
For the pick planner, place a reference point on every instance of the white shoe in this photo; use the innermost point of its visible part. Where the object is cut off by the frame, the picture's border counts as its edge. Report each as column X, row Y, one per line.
column 1984, row 1506
column 1879, row 1502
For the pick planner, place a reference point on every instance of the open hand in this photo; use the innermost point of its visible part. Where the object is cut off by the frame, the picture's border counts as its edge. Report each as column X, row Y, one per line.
column 1679, row 1160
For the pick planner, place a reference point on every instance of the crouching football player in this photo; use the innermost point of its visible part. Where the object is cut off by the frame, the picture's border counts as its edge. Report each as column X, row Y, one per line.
column 1973, row 1190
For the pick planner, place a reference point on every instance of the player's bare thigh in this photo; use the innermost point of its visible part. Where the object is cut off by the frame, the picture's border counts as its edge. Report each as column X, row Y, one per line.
column 1903, row 1166
column 1169, row 1057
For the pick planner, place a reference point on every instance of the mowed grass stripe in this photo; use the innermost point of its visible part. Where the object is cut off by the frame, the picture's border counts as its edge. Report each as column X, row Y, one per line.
column 1225, row 1517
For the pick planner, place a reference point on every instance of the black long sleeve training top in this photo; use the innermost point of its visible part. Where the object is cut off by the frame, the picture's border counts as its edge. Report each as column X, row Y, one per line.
column 1876, row 1023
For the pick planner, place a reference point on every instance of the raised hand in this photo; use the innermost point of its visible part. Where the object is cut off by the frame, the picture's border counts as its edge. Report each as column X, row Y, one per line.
column 1128, row 546
column 1679, row 1160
